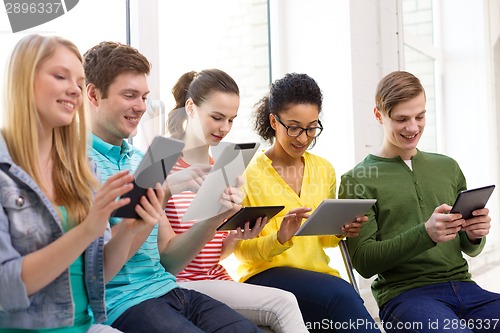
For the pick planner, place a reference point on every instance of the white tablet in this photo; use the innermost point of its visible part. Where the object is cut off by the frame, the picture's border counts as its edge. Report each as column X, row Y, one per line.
column 230, row 164
column 332, row 214
column 154, row 168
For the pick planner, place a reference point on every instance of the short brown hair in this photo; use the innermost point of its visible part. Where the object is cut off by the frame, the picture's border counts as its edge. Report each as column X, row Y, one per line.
column 395, row 88
column 105, row 61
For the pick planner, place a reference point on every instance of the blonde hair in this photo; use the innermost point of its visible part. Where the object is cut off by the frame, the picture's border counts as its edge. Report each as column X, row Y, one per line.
column 74, row 182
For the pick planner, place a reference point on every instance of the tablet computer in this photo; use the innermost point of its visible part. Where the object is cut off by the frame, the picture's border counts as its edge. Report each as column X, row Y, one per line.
column 250, row 214
column 154, row 168
column 470, row 200
column 332, row 214
column 230, row 164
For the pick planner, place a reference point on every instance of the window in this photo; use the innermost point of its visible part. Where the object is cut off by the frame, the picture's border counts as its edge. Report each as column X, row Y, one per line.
column 231, row 35
column 81, row 25
column 420, row 59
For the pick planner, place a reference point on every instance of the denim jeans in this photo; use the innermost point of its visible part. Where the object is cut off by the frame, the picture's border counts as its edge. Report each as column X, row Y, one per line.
column 97, row 328
column 327, row 303
column 183, row 311
column 457, row 307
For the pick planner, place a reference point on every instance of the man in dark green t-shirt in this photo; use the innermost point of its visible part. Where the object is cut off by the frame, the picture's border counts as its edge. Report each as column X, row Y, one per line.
column 412, row 241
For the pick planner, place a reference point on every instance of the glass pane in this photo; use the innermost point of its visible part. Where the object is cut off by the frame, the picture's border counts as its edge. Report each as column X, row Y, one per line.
column 422, row 66
column 88, row 23
column 418, row 19
column 233, row 37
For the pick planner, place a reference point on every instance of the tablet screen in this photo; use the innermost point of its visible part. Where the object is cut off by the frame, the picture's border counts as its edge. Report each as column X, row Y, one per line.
column 471, row 200
column 250, row 214
column 332, row 214
column 154, row 168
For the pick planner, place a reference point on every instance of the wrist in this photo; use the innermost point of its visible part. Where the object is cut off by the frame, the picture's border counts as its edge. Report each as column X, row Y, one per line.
column 87, row 232
column 280, row 238
column 473, row 240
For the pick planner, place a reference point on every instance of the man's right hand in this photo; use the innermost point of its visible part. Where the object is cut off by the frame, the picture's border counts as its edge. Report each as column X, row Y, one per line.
column 443, row 226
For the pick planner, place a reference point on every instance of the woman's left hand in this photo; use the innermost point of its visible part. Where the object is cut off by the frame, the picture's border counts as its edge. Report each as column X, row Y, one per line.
column 232, row 197
column 247, row 233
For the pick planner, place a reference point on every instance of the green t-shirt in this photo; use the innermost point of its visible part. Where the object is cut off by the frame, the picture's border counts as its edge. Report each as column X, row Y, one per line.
column 394, row 244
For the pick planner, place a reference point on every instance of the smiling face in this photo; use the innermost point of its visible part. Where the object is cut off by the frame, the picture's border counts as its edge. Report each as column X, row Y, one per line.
column 212, row 120
column 404, row 128
column 301, row 115
column 117, row 116
column 58, row 89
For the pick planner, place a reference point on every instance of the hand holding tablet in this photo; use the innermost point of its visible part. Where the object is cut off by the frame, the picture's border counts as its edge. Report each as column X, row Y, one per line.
column 249, row 214
column 471, row 200
column 332, row 214
column 154, row 168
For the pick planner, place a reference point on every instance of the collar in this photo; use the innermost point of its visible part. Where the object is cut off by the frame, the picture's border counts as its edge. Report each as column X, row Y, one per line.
column 111, row 151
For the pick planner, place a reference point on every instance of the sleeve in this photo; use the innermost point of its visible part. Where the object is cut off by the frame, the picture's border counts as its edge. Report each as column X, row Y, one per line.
column 262, row 248
column 469, row 248
column 330, row 241
column 371, row 256
column 13, row 295
column 107, row 234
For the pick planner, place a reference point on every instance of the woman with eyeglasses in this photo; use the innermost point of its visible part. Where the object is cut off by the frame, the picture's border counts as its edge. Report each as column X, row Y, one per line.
column 287, row 174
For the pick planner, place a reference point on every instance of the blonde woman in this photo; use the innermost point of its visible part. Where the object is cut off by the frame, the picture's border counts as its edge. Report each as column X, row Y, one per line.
column 54, row 221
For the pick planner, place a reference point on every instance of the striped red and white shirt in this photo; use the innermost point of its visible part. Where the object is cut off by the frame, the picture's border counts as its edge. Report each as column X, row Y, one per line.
column 205, row 266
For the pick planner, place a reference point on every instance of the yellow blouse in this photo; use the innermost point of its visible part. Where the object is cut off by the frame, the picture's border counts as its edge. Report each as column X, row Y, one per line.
column 264, row 186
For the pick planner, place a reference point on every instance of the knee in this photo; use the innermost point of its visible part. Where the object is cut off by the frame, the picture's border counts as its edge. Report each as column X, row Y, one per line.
column 280, row 300
column 287, row 297
column 345, row 293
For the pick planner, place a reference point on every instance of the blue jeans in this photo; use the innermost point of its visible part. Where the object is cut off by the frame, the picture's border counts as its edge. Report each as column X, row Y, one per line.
column 183, row 311
column 327, row 303
column 457, row 307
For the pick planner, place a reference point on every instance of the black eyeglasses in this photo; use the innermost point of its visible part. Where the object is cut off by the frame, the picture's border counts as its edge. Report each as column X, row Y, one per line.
column 295, row 131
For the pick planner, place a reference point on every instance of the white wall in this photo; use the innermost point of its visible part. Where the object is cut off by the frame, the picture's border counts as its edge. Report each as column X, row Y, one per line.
column 471, row 135
column 310, row 37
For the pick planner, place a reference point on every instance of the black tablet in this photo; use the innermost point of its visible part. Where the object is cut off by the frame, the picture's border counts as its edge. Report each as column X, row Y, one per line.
column 471, row 200
column 332, row 214
column 250, row 214
column 154, row 168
